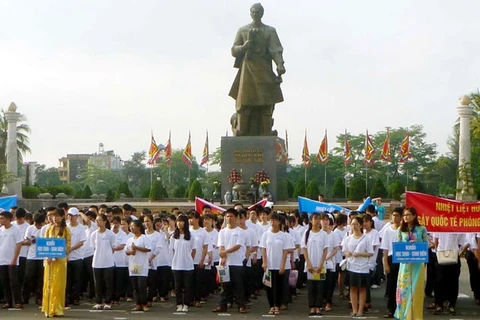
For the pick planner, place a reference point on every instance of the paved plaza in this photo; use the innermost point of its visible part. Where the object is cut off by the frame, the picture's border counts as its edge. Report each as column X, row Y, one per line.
column 466, row 309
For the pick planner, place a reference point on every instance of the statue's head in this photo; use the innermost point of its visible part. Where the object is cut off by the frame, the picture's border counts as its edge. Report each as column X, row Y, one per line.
column 256, row 12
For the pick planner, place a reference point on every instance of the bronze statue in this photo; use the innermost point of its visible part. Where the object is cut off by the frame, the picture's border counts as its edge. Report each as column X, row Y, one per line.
column 256, row 87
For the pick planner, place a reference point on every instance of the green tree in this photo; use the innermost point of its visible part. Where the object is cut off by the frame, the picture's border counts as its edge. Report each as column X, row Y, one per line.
column 357, row 189
column 378, row 189
column 47, row 177
column 338, row 190
column 179, row 191
column 195, row 190
column 31, row 192
column 290, row 188
column 178, row 173
column 418, row 186
column 23, row 130
column 312, row 191
column 156, row 191
column 110, row 196
column 396, row 189
column 299, row 189
column 86, row 192
column 123, row 188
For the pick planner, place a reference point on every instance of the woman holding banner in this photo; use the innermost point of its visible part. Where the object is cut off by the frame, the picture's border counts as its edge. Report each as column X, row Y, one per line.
column 55, row 279
column 411, row 276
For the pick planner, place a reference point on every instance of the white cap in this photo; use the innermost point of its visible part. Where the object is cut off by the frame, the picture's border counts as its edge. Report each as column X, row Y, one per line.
column 73, row 211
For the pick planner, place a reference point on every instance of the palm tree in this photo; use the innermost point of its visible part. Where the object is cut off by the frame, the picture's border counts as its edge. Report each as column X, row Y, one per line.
column 22, row 138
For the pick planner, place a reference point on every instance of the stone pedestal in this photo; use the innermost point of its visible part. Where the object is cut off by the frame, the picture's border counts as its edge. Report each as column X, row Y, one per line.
column 464, row 183
column 248, row 155
column 12, row 117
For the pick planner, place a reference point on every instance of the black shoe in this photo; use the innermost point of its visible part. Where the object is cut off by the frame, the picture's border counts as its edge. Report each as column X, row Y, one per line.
column 388, row 316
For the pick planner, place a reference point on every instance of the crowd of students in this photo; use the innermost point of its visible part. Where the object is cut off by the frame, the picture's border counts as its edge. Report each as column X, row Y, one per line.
column 115, row 255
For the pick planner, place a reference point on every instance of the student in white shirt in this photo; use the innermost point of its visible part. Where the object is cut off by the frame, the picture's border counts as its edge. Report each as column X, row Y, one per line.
column 472, row 256
column 253, row 222
column 154, row 238
column 183, row 244
column 212, row 258
column 252, row 246
column 300, row 262
column 103, row 242
column 125, row 226
column 11, row 241
column 90, row 226
column 315, row 246
column 370, row 231
column 164, row 259
column 340, row 230
column 34, row 268
column 357, row 248
column 201, row 246
column 22, row 224
column 137, row 249
column 275, row 246
column 232, row 249
column 120, row 272
column 75, row 257
column 334, row 242
column 295, row 240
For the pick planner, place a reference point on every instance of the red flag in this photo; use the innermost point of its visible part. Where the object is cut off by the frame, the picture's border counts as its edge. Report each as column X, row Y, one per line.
column 262, row 203
column 199, row 203
column 153, row 151
column 205, row 158
column 322, row 154
column 168, row 151
column 369, row 151
column 305, row 153
column 385, row 155
column 405, row 148
column 187, row 156
column 347, row 153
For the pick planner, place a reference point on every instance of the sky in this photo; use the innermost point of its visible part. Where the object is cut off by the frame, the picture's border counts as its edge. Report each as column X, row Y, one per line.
column 113, row 71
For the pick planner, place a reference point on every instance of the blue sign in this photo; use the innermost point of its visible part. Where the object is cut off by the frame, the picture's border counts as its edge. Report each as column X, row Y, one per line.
column 410, row 252
column 51, row 248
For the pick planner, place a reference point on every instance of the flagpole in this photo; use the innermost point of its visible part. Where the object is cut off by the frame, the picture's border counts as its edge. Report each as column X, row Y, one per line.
column 325, row 180
column 151, row 176
column 305, row 179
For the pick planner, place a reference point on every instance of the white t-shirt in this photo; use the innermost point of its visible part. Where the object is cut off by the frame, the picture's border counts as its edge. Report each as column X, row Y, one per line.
column 127, row 258
column 449, row 241
column 360, row 245
column 385, row 227
column 317, row 242
column 165, row 255
column 33, row 232
column 293, row 241
column 229, row 238
column 43, row 231
column 297, row 239
column 102, row 244
column 275, row 244
column 78, row 235
column 334, row 241
column 200, row 236
column 340, row 235
column 389, row 236
column 87, row 247
column 9, row 238
column 119, row 256
column 250, row 241
column 378, row 223
column 471, row 239
column 154, row 239
column 182, row 253
column 138, row 263
column 23, row 228
column 375, row 239
column 212, row 239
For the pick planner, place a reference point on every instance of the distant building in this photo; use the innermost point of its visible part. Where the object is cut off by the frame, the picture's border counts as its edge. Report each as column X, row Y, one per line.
column 74, row 165
column 29, row 173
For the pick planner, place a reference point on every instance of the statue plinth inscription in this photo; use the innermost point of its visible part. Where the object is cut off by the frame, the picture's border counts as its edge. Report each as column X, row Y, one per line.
column 248, row 156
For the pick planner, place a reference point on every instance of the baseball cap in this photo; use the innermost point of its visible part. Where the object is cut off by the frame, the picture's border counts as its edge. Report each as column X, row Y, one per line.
column 73, row 211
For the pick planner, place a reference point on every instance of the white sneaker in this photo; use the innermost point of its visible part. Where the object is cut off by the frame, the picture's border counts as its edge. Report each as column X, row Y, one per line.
column 185, row 308
column 179, row 308
column 107, row 307
column 97, row 307
column 375, row 286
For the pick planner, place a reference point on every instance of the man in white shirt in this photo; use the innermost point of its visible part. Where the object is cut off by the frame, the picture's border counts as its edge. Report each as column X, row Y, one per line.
column 250, row 255
column 252, row 223
column 232, row 250
column 11, row 240
column 75, row 257
column 22, row 225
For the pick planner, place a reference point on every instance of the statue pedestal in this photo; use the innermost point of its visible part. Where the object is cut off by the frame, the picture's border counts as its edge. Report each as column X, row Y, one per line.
column 248, row 155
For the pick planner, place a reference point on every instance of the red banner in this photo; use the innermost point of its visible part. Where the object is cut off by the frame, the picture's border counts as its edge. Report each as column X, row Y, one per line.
column 444, row 215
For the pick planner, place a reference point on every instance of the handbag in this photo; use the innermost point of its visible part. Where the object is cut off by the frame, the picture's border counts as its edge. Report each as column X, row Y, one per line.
column 292, row 278
column 447, row 257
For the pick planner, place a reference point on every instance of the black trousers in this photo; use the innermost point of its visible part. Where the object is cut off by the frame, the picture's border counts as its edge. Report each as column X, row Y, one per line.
column 302, row 276
column 164, row 280
column 431, row 273
column 472, row 263
column 286, row 288
column 183, row 286
column 152, row 284
column 120, row 280
column 368, row 298
column 33, row 280
column 233, row 288
column 257, row 275
column 248, row 282
column 392, row 278
column 139, row 285
column 446, row 286
column 377, row 275
column 88, row 281
column 74, row 280
column 315, row 289
column 275, row 292
column 10, row 284
column 22, row 263
column 330, row 281
column 103, row 284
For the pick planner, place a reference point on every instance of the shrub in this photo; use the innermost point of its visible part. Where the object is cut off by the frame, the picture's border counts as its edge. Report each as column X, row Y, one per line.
column 156, row 191
column 123, row 188
column 195, row 190
column 357, row 189
column 299, row 189
column 86, row 192
column 312, row 191
column 338, row 190
column 378, row 189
